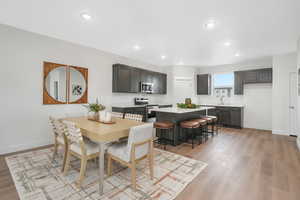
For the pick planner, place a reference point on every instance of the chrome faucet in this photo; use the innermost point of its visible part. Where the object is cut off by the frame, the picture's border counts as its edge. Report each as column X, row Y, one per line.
column 222, row 100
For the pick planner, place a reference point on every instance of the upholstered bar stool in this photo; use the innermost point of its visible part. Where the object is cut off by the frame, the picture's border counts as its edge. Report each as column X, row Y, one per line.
column 211, row 121
column 190, row 126
column 165, row 128
column 202, row 128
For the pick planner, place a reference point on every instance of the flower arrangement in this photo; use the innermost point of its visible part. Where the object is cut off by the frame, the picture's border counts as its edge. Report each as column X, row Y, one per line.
column 188, row 104
column 94, row 107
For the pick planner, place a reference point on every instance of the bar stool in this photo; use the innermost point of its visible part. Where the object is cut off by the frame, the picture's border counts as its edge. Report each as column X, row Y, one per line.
column 192, row 126
column 202, row 128
column 211, row 121
column 165, row 128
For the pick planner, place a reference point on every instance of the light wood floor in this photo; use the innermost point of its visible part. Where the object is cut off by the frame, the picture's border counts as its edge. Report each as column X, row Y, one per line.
column 242, row 164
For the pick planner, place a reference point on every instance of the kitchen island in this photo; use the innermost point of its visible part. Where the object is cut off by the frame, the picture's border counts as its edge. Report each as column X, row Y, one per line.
column 177, row 115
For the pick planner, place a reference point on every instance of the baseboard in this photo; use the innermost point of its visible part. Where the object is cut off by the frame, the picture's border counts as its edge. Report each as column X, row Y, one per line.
column 22, row 147
column 280, row 132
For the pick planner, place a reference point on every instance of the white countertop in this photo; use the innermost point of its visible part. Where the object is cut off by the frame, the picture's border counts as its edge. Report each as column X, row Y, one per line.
column 225, row 105
column 127, row 106
column 132, row 105
column 181, row 110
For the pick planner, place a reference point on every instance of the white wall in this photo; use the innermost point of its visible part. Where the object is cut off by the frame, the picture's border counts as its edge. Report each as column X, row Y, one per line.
column 283, row 65
column 24, row 120
column 257, row 98
column 183, row 83
column 298, row 67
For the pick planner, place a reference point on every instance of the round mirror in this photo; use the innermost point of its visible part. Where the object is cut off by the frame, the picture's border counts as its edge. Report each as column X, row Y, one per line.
column 56, row 84
column 77, row 85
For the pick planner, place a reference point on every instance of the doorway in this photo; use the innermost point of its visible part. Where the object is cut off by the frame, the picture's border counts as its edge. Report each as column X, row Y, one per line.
column 293, row 104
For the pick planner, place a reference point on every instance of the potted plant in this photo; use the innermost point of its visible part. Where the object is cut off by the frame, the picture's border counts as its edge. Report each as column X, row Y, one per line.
column 94, row 109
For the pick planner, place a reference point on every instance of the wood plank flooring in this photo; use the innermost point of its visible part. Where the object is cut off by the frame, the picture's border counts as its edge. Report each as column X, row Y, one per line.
column 242, row 164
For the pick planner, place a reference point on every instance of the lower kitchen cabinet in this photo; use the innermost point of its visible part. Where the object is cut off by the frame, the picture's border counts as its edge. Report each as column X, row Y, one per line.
column 229, row 116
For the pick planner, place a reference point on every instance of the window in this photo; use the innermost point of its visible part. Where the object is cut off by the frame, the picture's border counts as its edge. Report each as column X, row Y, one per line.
column 223, row 84
column 223, row 80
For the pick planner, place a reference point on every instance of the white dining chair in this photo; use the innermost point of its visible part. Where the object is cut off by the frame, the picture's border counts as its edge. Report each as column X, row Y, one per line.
column 138, row 147
column 136, row 117
column 60, row 138
column 79, row 147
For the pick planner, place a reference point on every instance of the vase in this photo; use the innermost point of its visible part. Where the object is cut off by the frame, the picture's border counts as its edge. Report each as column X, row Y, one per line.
column 93, row 116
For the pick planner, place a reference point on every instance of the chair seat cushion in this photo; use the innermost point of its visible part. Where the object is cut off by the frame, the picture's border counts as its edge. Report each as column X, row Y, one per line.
column 119, row 150
column 202, row 122
column 190, row 124
column 208, row 119
column 214, row 118
column 91, row 147
column 163, row 125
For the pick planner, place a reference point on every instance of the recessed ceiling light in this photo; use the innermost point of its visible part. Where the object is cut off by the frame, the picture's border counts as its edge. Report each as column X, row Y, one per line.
column 163, row 57
column 86, row 16
column 227, row 44
column 136, row 47
column 236, row 54
column 209, row 24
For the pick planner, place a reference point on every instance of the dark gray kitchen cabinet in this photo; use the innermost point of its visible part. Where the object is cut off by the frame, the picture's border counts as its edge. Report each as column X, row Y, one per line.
column 121, row 78
column 203, row 84
column 159, row 83
column 265, row 75
column 238, row 83
column 224, row 115
column 135, row 80
column 250, row 77
column 163, row 83
column 128, row 79
column 236, row 117
column 228, row 116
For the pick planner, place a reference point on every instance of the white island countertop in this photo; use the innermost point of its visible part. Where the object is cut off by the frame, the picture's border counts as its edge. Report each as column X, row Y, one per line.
column 182, row 110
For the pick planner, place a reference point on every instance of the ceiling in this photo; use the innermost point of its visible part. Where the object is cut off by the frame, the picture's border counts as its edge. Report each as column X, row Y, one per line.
column 174, row 28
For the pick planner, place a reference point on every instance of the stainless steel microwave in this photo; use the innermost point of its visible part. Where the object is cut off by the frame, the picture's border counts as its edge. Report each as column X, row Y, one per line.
column 146, row 87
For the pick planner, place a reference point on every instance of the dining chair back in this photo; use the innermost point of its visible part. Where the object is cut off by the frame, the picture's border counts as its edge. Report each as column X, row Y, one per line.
column 138, row 147
column 139, row 141
column 136, row 117
column 79, row 147
column 74, row 133
column 60, row 138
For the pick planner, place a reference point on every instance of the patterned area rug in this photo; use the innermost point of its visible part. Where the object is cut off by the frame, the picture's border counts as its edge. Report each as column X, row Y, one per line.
column 37, row 178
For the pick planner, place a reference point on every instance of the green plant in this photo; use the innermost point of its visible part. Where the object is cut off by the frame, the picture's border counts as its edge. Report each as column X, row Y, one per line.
column 94, row 107
column 191, row 106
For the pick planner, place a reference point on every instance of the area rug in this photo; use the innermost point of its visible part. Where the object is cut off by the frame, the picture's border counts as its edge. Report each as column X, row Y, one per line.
column 37, row 177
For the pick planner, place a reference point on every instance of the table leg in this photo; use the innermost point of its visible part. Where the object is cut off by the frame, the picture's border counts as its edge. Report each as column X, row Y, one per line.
column 101, row 167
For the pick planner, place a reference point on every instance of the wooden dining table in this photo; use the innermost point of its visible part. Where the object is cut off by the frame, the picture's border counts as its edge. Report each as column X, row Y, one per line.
column 102, row 134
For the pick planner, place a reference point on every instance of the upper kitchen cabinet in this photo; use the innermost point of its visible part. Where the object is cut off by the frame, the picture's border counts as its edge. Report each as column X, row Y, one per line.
column 159, row 83
column 265, row 75
column 128, row 79
column 204, row 84
column 121, row 78
column 249, row 77
column 239, row 83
